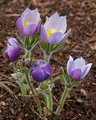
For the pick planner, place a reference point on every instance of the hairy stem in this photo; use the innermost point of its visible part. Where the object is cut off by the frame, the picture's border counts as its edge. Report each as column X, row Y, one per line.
column 34, row 94
column 47, row 57
column 48, row 97
column 62, row 100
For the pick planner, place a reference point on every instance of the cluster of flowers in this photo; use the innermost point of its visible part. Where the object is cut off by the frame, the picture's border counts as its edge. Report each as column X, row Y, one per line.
column 52, row 37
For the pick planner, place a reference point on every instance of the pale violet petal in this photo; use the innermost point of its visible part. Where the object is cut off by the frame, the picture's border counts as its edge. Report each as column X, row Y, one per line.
column 20, row 25
column 80, row 64
column 70, row 61
column 35, row 19
column 43, row 34
column 13, row 53
column 64, row 36
column 30, row 29
column 25, row 12
column 55, row 37
column 61, row 24
column 76, row 74
column 52, row 21
column 29, row 16
column 86, row 70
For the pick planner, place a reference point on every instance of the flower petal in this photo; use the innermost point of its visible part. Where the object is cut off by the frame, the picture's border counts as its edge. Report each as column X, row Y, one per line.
column 20, row 25
column 86, row 70
column 47, row 70
column 25, row 12
column 13, row 53
column 52, row 21
column 35, row 19
column 29, row 22
column 43, row 35
column 64, row 36
column 69, row 63
column 37, row 27
column 76, row 74
column 80, row 64
column 61, row 25
column 55, row 38
column 13, row 41
column 28, row 15
column 29, row 29
column 38, row 75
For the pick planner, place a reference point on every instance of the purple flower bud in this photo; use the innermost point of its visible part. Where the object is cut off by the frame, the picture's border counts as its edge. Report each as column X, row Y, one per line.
column 53, row 31
column 26, row 63
column 41, row 71
column 29, row 22
column 13, row 50
column 77, row 69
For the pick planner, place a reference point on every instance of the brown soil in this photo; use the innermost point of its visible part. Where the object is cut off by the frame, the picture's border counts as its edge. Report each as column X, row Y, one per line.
column 81, row 101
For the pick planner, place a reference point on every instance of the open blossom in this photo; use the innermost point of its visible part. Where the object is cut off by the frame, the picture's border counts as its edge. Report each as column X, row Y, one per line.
column 77, row 69
column 53, row 31
column 41, row 71
column 13, row 50
column 29, row 22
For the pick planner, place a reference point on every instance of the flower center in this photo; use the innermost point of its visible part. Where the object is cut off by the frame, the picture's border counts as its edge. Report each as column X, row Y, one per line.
column 25, row 23
column 50, row 31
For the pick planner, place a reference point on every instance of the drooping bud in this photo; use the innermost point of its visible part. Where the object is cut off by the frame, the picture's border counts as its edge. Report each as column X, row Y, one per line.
column 12, row 51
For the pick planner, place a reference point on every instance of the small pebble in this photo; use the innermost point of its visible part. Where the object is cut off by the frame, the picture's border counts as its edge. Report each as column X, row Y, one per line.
column 84, row 92
column 79, row 101
column 0, row 111
column 2, row 103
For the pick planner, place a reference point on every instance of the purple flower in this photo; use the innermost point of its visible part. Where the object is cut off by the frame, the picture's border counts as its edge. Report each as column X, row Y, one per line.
column 41, row 71
column 26, row 63
column 13, row 50
column 29, row 22
column 77, row 69
column 53, row 31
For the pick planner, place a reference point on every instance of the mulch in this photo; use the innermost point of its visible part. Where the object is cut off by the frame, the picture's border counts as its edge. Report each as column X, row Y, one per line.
column 81, row 100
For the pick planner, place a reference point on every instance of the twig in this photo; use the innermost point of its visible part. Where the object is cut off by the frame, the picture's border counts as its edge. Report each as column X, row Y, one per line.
column 3, row 95
column 7, row 88
column 11, row 15
column 36, row 113
column 5, row 76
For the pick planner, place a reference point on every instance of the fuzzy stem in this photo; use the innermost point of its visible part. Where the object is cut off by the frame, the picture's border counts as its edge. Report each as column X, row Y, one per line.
column 48, row 97
column 62, row 100
column 27, row 53
column 34, row 94
column 47, row 57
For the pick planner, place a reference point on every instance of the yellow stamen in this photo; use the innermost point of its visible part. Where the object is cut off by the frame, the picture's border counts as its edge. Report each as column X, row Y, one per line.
column 25, row 23
column 50, row 31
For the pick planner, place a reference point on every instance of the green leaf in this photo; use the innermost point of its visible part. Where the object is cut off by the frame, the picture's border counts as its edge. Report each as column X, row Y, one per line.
column 23, row 89
column 49, row 101
column 19, row 45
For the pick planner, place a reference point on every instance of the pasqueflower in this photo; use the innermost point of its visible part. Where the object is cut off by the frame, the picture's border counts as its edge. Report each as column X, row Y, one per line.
column 41, row 71
column 77, row 69
column 13, row 50
column 53, row 31
column 29, row 22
